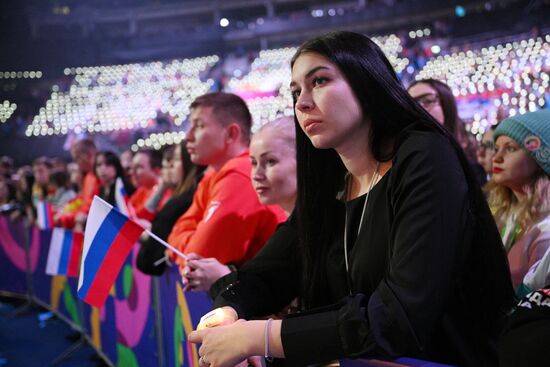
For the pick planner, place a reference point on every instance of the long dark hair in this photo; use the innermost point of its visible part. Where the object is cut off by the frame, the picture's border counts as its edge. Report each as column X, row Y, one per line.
column 392, row 112
column 447, row 102
column 451, row 120
column 190, row 172
column 111, row 159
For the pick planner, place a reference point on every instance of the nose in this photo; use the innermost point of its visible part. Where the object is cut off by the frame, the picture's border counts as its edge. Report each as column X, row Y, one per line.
column 304, row 102
column 497, row 157
column 258, row 174
column 190, row 136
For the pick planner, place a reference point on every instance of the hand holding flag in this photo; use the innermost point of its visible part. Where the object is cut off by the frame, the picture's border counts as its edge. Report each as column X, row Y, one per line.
column 108, row 239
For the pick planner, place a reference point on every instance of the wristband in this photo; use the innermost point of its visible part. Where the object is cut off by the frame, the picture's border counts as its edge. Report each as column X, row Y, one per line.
column 267, row 329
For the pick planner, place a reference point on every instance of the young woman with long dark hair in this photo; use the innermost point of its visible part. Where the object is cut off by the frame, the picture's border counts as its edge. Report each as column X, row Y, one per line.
column 107, row 168
column 397, row 255
column 437, row 98
column 182, row 178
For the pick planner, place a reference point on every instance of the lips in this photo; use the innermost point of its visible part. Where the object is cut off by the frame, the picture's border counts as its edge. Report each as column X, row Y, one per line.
column 261, row 190
column 497, row 170
column 310, row 124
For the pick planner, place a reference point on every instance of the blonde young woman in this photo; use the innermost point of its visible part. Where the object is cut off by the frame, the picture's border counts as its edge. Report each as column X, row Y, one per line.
column 273, row 157
column 519, row 194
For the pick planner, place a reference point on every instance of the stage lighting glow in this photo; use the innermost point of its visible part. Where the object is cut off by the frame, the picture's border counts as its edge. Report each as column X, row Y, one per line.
column 460, row 11
column 436, row 49
column 118, row 97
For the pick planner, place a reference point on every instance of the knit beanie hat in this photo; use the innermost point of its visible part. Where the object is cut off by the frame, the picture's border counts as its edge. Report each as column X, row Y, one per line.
column 532, row 132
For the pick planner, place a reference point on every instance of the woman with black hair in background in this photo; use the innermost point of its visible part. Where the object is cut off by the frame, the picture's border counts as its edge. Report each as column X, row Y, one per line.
column 181, row 176
column 437, row 98
column 407, row 262
column 107, row 168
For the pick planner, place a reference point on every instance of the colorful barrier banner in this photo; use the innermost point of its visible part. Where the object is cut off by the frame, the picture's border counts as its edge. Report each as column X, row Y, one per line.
column 123, row 330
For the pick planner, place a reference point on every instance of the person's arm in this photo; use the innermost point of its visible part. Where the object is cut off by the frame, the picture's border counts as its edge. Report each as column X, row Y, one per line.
column 266, row 283
column 90, row 188
column 247, row 338
column 538, row 275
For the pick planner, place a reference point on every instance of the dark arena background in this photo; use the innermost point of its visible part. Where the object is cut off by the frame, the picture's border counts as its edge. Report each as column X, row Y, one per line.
column 125, row 71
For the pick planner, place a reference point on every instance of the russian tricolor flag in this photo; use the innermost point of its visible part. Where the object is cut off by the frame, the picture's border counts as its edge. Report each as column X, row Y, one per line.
column 108, row 239
column 44, row 215
column 64, row 253
column 122, row 201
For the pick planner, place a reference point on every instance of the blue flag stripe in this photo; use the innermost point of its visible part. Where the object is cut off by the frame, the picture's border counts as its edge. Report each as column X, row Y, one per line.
column 65, row 252
column 47, row 223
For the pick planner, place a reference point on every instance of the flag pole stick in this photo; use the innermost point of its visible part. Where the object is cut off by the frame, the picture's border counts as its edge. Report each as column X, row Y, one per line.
column 165, row 244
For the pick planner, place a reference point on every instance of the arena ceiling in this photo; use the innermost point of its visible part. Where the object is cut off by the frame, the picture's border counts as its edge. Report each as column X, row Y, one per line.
column 52, row 34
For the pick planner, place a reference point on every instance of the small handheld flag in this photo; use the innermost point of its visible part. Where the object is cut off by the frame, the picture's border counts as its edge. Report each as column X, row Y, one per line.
column 108, row 239
column 122, row 201
column 64, row 253
column 44, row 215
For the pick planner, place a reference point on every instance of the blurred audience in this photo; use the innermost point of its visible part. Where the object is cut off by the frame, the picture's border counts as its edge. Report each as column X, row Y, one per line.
column 179, row 177
column 146, row 166
column 486, row 151
column 60, row 187
column 74, row 212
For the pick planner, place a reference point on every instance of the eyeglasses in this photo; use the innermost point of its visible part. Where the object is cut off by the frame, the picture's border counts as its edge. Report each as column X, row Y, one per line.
column 427, row 100
column 487, row 146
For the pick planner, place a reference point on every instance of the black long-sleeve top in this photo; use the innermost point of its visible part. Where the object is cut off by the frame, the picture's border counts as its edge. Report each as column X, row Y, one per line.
column 408, row 268
column 151, row 251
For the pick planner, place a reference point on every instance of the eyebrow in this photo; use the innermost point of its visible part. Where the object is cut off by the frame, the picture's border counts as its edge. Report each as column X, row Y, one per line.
column 425, row 95
column 310, row 73
column 263, row 154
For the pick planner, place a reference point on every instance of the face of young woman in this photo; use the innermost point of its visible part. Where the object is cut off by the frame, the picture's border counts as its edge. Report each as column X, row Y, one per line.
column 513, row 167
column 428, row 98
column 326, row 107
column 485, row 151
column 166, row 172
column 273, row 169
column 105, row 172
column 177, row 166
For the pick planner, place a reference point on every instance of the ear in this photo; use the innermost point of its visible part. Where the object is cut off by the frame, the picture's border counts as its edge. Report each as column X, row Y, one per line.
column 233, row 132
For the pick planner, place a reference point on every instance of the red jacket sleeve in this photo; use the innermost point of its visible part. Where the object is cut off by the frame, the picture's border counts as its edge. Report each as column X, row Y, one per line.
column 90, row 187
column 225, row 220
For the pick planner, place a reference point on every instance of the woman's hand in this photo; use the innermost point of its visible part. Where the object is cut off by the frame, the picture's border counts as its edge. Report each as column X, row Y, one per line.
column 225, row 346
column 218, row 317
column 200, row 273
